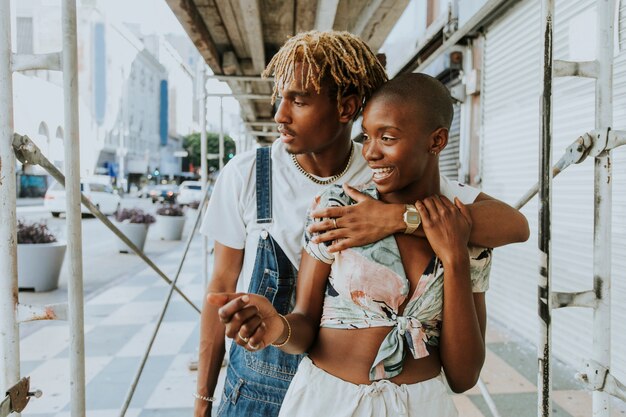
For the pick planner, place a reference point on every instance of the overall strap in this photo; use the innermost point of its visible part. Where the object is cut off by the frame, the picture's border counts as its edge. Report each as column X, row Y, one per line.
column 264, row 185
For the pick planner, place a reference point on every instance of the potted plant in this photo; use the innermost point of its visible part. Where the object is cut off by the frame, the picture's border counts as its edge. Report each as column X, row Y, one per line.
column 192, row 210
column 39, row 257
column 134, row 224
column 170, row 222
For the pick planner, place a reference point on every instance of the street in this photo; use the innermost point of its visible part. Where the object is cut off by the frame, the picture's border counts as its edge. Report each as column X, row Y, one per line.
column 102, row 263
column 123, row 299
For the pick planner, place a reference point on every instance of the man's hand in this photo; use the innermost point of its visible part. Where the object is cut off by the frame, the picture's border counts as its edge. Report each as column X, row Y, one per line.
column 365, row 222
column 250, row 320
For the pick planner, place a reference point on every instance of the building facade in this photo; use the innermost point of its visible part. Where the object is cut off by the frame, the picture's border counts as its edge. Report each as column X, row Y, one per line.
column 179, row 90
column 498, row 88
column 131, row 104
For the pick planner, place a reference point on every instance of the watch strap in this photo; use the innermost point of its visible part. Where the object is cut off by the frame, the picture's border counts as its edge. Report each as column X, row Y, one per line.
column 411, row 226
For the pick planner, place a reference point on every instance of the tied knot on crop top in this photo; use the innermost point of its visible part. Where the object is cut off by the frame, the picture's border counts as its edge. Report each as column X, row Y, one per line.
column 367, row 285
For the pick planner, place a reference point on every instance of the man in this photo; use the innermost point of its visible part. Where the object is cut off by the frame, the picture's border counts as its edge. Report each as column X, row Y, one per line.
column 258, row 206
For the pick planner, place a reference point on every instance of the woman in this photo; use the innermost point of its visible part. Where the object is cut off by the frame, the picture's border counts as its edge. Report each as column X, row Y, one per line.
column 379, row 326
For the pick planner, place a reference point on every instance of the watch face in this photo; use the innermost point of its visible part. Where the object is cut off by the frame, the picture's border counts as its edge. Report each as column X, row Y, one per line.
column 412, row 217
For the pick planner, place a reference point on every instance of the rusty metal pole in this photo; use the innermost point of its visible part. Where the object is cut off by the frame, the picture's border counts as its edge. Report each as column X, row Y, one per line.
column 9, row 329
column 74, row 230
column 603, row 202
column 203, row 162
column 221, row 163
column 544, row 345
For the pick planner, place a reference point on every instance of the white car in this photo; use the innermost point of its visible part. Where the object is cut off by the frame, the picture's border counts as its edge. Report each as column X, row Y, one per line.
column 189, row 191
column 101, row 195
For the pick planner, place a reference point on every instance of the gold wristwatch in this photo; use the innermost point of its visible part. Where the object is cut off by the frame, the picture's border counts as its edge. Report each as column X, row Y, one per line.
column 412, row 219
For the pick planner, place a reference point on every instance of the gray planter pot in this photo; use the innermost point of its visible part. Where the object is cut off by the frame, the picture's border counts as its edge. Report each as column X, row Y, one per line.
column 39, row 265
column 169, row 227
column 136, row 232
column 191, row 214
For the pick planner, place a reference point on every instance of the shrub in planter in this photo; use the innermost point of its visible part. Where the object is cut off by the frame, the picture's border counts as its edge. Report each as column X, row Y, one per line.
column 34, row 233
column 134, row 224
column 134, row 215
column 173, row 210
column 39, row 257
column 170, row 222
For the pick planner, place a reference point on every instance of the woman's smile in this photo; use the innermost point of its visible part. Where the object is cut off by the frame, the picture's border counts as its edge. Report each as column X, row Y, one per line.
column 381, row 173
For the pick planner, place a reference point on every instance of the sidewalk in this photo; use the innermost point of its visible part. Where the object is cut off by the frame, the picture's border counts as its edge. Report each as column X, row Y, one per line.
column 119, row 320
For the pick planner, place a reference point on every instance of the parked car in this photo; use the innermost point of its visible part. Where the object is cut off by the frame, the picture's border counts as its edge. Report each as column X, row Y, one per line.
column 164, row 193
column 102, row 195
column 190, row 191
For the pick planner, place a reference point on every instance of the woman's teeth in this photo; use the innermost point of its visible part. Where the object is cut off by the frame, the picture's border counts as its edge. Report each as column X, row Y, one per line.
column 380, row 173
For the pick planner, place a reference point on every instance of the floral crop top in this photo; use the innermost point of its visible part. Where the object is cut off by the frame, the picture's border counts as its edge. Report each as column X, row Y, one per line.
column 367, row 285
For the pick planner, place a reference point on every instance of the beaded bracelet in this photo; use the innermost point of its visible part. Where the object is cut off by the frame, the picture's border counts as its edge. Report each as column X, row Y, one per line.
column 288, row 333
column 203, row 398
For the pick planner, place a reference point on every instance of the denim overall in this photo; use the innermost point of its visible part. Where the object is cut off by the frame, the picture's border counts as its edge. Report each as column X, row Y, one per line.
column 256, row 382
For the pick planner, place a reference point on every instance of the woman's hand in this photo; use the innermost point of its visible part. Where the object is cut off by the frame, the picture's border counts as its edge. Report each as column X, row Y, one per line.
column 250, row 319
column 447, row 226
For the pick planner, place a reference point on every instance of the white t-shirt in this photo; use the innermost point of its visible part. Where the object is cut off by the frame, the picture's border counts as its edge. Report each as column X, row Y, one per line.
column 231, row 214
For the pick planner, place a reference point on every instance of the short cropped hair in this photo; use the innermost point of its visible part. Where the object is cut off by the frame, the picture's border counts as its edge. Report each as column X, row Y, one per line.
column 430, row 97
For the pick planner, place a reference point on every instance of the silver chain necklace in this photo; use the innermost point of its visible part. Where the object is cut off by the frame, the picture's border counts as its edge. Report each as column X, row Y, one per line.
column 328, row 180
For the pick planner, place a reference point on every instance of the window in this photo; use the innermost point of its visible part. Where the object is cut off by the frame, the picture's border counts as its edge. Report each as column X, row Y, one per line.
column 98, row 188
column 43, row 130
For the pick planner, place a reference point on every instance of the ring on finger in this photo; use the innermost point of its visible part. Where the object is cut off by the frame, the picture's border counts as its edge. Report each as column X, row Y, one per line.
column 245, row 339
column 334, row 222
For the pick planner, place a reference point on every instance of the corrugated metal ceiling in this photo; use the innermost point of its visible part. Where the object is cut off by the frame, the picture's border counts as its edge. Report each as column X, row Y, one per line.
column 239, row 37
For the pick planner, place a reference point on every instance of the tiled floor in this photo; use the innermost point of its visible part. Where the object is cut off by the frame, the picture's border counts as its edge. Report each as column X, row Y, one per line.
column 510, row 375
column 119, row 322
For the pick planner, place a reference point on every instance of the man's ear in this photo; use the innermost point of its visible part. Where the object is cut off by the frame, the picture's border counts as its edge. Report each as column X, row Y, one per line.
column 350, row 106
column 438, row 140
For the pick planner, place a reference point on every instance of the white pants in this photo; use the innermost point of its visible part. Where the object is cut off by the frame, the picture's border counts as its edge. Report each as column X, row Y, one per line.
column 314, row 392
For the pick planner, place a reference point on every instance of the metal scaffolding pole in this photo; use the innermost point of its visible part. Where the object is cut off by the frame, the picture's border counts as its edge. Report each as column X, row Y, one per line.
column 603, row 203
column 221, row 163
column 203, row 163
column 9, row 330
column 144, row 359
column 74, row 230
column 597, row 375
column 544, row 345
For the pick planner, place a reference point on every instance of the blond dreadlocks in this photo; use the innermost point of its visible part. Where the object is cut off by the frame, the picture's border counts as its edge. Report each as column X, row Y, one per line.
column 336, row 57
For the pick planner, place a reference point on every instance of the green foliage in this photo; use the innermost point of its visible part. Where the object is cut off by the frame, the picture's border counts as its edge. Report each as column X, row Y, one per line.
column 191, row 143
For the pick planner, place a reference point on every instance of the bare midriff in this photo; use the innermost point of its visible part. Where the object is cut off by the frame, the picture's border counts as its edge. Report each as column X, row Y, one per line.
column 349, row 354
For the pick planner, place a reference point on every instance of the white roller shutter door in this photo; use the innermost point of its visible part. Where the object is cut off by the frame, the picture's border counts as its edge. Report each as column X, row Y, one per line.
column 449, row 158
column 618, row 336
column 510, row 94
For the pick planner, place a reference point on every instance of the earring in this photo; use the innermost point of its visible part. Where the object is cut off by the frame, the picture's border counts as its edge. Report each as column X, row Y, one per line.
column 433, row 152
